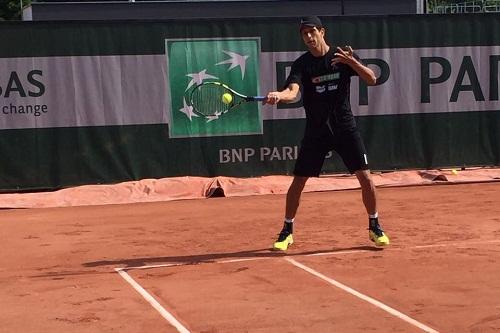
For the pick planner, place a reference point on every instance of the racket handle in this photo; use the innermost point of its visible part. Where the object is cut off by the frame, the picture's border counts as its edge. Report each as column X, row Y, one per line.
column 256, row 98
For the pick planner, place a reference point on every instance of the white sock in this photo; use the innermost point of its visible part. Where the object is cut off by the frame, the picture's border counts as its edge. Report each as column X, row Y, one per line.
column 287, row 220
column 373, row 216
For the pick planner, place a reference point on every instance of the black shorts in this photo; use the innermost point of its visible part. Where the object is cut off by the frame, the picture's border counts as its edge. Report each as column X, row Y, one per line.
column 349, row 145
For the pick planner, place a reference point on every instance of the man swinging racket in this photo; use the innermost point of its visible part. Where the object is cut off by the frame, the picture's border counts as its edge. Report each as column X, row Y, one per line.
column 324, row 73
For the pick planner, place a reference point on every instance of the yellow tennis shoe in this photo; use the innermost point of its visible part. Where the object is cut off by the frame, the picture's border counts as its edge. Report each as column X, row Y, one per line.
column 376, row 233
column 379, row 237
column 285, row 239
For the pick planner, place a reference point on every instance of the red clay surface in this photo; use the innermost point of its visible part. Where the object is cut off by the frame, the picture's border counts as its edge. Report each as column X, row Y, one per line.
column 57, row 266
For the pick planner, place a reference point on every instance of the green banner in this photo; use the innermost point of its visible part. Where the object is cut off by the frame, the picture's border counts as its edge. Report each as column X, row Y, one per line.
column 234, row 62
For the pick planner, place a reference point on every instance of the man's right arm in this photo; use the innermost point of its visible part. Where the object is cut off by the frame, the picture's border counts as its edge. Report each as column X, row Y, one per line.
column 288, row 95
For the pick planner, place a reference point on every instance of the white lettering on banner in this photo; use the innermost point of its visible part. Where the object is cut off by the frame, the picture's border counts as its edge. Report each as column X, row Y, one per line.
column 240, row 155
column 278, row 153
column 235, row 155
column 243, row 155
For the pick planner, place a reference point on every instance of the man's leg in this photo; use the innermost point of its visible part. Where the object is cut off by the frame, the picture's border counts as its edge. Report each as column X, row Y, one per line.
column 285, row 238
column 293, row 196
column 369, row 195
column 368, row 191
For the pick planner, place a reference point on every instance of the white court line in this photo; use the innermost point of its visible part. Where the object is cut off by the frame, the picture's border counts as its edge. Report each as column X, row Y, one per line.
column 151, row 300
column 330, row 253
column 337, row 252
column 155, row 266
column 244, row 259
column 368, row 299
column 174, row 322
column 457, row 244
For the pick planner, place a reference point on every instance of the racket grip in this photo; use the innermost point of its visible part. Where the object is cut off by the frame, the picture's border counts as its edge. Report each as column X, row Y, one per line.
column 257, row 98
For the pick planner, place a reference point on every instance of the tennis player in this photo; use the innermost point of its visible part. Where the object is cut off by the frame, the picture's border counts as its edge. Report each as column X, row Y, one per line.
column 324, row 74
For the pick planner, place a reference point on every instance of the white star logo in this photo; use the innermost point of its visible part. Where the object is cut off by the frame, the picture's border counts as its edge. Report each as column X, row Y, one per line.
column 197, row 78
column 235, row 60
column 188, row 110
column 214, row 117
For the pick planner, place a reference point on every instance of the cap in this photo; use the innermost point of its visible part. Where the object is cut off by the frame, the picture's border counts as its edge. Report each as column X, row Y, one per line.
column 311, row 21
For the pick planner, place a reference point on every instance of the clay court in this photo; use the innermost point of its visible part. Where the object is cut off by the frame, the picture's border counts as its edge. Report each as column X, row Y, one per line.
column 205, row 265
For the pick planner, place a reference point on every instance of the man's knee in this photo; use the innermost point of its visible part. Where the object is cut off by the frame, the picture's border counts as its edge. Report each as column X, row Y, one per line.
column 364, row 178
column 298, row 184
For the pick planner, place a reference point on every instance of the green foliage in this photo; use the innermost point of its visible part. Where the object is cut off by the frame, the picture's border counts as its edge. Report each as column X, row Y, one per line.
column 431, row 4
column 11, row 9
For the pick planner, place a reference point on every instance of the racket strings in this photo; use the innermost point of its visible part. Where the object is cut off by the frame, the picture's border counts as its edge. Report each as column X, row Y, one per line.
column 207, row 100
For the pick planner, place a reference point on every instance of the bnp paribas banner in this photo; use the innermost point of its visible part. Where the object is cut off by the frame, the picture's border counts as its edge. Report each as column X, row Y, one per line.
column 192, row 62
column 78, row 91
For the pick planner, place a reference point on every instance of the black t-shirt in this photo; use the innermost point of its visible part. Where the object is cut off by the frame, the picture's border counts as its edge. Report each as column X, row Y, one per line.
column 325, row 92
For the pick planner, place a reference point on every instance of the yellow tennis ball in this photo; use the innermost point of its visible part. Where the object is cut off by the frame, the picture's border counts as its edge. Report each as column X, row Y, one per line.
column 454, row 171
column 227, row 98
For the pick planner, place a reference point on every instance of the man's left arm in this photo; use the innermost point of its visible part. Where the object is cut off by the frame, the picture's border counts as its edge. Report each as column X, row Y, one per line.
column 346, row 56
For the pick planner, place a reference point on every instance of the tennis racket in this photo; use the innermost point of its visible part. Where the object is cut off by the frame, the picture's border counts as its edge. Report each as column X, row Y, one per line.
column 207, row 99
